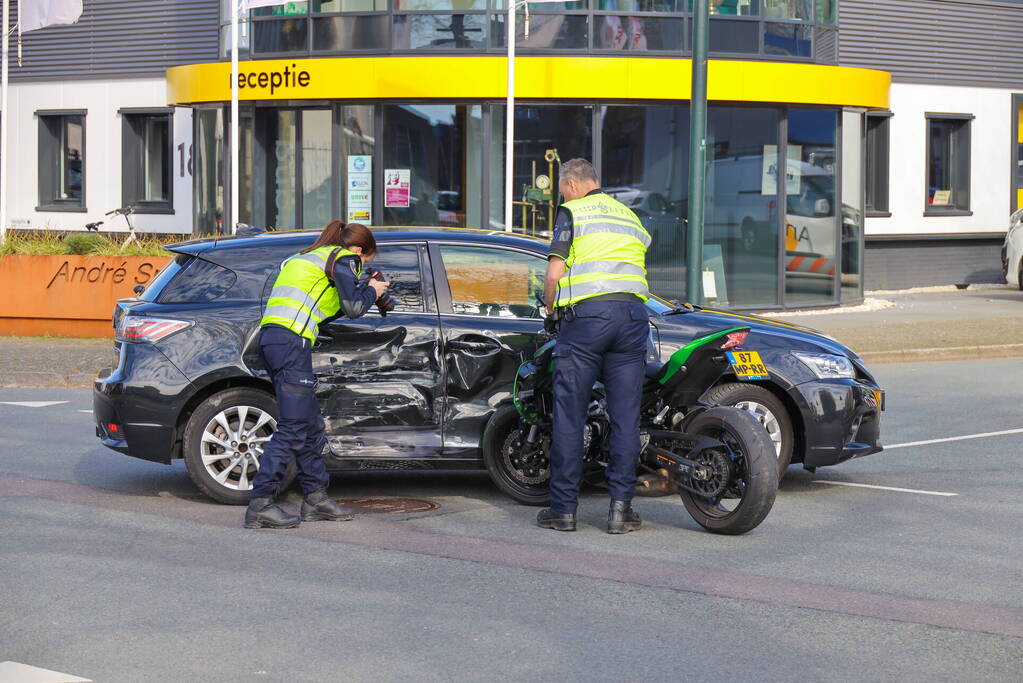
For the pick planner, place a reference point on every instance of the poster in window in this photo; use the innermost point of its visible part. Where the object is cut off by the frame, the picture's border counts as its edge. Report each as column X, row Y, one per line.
column 396, row 187
column 360, row 188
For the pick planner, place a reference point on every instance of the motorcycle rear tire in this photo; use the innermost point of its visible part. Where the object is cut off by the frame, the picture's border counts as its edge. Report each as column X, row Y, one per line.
column 758, row 471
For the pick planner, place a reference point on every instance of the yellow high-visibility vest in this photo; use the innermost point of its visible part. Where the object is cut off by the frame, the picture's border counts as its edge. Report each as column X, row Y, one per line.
column 302, row 297
column 608, row 251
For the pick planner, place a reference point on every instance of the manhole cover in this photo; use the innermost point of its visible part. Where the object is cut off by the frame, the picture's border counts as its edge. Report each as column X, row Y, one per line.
column 388, row 506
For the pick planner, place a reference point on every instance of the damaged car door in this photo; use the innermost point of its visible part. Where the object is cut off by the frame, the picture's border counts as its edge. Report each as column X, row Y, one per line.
column 489, row 320
column 379, row 379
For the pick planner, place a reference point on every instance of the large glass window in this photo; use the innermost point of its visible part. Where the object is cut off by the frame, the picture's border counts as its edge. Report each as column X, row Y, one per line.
column 877, row 164
column 799, row 29
column 280, row 131
column 61, row 161
column 549, row 32
column 147, row 161
column 811, row 213
column 439, row 31
column 948, row 164
column 789, row 40
column 740, row 254
column 852, row 206
column 545, row 135
column 208, row 181
column 339, row 34
column 294, row 158
column 427, row 154
column 317, row 168
column 358, row 140
column 644, row 165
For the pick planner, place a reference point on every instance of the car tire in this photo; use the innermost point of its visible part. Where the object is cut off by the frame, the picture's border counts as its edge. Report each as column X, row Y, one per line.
column 235, row 424
column 767, row 409
column 1019, row 275
column 525, row 486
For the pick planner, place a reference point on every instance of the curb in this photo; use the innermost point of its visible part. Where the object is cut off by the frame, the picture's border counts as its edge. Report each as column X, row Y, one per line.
column 40, row 379
column 944, row 353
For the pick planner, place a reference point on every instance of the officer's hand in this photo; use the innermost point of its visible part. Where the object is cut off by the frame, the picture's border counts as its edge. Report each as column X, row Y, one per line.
column 379, row 286
column 550, row 324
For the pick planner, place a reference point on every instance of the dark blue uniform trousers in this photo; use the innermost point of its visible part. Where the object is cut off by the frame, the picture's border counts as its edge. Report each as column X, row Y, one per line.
column 300, row 434
column 603, row 340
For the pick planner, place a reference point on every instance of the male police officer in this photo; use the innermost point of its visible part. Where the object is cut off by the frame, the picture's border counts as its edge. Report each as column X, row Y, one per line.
column 596, row 284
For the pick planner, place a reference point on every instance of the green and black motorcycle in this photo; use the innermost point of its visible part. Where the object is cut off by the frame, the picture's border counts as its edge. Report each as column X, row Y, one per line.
column 719, row 459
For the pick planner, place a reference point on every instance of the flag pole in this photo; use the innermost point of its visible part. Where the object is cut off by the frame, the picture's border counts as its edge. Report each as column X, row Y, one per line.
column 4, row 117
column 235, row 170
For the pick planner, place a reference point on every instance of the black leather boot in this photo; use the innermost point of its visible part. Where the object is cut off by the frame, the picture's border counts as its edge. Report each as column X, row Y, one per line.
column 548, row 519
column 318, row 505
column 621, row 518
column 264, row 513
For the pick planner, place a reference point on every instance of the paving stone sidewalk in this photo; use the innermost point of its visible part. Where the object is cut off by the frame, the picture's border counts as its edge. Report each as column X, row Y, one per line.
column 940, row 323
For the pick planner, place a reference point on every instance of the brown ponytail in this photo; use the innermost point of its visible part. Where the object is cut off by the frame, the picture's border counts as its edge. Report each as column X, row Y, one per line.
column 337, row 234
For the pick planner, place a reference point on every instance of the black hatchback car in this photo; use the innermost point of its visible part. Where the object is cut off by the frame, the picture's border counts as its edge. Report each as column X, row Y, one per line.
column 414, row 389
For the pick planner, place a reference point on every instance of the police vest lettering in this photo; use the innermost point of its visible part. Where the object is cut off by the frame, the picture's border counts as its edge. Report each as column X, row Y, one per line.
column 302, row 297
column 608, row 251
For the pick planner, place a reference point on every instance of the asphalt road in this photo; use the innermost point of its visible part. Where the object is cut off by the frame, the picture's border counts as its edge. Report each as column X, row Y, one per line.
column 115, row 569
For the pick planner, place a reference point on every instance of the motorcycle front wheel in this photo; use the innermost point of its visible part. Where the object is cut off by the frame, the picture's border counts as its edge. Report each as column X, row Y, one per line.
column 520, row 471
column 751, row 474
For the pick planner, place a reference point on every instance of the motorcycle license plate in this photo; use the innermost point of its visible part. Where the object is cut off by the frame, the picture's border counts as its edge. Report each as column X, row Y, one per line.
column 747, row 365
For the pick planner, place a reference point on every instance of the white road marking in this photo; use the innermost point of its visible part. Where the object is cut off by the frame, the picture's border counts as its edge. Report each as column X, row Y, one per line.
column 33, row 404
column 15, row 672
column 883, row 488
column 954, row 438
column 86, row 411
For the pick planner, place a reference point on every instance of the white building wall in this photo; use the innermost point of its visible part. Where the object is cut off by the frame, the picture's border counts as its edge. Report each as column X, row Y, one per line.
column 103, row 162
column 990, row 152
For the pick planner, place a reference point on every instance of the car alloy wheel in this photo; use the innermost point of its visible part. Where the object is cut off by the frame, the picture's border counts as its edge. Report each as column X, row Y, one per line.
column 765, row 417
column 232, row 443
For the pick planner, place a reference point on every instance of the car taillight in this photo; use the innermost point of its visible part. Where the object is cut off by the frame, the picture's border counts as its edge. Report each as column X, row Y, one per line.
column 735, row 339
column 137, row 328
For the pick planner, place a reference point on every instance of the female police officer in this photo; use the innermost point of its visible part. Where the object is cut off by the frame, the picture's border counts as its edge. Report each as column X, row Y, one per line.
column 303, row 296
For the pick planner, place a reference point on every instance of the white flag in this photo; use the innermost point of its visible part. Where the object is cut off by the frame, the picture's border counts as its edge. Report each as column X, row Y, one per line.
column 36, row 14
column 250, row 4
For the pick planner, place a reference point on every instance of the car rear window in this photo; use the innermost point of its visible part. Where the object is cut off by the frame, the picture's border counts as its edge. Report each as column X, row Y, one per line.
column 197, row 281
column 166, row 274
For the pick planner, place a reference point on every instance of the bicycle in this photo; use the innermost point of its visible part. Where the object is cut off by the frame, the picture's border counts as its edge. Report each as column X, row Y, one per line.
column 125, row 211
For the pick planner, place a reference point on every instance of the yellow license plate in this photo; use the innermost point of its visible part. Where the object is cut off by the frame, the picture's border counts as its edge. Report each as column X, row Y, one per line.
column 747, row 365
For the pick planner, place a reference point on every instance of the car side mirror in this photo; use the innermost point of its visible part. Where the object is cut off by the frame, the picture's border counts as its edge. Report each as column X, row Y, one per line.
column 822, row 207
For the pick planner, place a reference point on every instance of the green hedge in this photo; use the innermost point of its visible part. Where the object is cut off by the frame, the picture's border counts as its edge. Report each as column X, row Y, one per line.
column 82, row 243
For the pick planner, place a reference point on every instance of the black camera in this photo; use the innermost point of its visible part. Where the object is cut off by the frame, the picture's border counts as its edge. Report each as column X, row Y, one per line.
column 384, row 302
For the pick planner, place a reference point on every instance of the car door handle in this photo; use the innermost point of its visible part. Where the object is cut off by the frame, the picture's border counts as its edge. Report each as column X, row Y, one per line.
column 476, row 347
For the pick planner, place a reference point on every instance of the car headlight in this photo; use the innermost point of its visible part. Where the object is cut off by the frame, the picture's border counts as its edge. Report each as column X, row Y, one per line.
column 827, row 365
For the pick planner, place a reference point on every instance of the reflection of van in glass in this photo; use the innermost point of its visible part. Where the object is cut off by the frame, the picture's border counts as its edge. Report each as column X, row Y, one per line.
column 810, row 213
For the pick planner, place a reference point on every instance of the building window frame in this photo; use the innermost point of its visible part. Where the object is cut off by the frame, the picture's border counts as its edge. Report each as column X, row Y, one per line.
column 52, row 151
column 877, row 164
column 960, row 164
column 133, row 163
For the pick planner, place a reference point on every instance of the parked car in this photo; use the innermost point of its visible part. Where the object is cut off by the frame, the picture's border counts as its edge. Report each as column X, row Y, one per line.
column 1012, row 251
column 414, row 389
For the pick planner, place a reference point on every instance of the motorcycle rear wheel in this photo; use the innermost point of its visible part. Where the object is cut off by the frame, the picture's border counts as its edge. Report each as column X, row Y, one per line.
column 753, row 478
